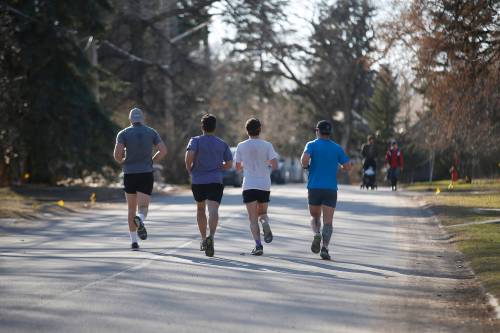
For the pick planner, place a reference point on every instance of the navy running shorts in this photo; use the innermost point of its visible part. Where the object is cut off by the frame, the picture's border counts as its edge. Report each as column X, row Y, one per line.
column 256, row 195
column 138, row 182
column 212, row 192
column 319, row 196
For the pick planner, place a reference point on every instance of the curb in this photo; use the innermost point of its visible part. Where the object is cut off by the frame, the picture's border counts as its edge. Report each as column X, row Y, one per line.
column 491, row 299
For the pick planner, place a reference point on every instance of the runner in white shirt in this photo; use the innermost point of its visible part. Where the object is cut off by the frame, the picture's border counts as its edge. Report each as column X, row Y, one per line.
column 256, row 157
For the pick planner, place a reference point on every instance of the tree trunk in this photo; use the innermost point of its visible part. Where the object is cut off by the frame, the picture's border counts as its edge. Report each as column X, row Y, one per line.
column 4, row 174
column 137, row 31
column 432, row 158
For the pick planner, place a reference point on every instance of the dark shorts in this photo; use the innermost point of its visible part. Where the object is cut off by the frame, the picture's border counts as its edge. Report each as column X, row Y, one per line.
column 138, row 182
column 256, row 195
column 318, row 197
column 212, row 192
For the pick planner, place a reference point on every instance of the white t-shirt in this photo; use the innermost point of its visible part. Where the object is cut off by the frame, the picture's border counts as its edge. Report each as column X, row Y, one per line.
column 255, row 155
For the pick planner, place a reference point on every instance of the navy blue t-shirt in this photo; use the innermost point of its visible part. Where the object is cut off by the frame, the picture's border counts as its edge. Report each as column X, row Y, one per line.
column 210, row 152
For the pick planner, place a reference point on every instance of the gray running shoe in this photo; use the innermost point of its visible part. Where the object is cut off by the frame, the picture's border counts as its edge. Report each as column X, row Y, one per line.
column 258, row 250
column 141, row 229
column 316, row 244
column 268, row 235
column 209, row 251
column 324, row 254
column 203, row 245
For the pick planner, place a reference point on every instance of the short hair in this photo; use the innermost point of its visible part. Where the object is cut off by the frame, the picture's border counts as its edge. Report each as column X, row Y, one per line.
column 370, row 137
column 208, row 123
column 253, row 126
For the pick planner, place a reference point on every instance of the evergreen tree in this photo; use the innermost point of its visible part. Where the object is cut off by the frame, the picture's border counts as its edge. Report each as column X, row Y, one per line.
column 257, row 39
column 163, row 66
column 340, row 77
column 63, row 130
column 12, row 105
column 384, row 105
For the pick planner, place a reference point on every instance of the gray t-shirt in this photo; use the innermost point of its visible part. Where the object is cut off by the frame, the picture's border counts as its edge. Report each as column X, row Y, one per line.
column 138, row 140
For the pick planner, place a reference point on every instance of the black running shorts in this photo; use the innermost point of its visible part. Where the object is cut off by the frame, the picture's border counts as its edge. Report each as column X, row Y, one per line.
column 318, row 197
column 256, row 195
column 138, row 182
column 212, row 192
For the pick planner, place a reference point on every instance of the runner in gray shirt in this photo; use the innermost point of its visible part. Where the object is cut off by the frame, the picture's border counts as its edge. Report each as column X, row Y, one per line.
column 134, row 151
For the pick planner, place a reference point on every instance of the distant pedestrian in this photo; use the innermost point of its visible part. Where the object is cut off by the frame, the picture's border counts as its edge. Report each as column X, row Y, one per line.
column 394, row 159
column 369, row 154
column 256, row 157
column 454, row 177
column 133, row 150
column 323, row 157
column 206, row 157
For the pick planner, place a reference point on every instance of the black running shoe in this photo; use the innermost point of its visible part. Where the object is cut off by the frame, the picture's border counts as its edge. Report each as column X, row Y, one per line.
column 324, row 254
column 316, row 244
column 141, row 229
column 203, row 245
column 268, row 235
column 258, row 250
column 134, row 246
column 209, row 251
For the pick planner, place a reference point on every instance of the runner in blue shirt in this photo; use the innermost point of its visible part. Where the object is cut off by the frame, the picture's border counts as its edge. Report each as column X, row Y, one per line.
column 322, row 157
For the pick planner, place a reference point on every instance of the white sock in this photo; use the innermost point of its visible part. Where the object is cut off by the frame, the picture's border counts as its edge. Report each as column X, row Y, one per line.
column 133, row 236
column 141, row 216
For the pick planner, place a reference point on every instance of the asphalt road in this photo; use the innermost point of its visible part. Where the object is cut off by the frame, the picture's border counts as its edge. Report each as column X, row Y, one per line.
column 392, row 271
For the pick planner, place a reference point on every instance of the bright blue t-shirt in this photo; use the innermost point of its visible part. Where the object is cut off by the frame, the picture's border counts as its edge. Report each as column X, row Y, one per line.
column 326, row 156
column 210, row 152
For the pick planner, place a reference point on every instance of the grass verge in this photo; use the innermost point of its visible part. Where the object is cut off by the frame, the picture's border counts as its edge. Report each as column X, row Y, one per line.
column 476, row 185
column 28, row 200
column 481, row 246
column 13, row 204
column 479, row 243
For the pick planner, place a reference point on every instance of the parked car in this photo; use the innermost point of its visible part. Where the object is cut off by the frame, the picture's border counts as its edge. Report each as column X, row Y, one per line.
column 296, row 172
column 280, row 175
column 232, row 176
column 289, row 171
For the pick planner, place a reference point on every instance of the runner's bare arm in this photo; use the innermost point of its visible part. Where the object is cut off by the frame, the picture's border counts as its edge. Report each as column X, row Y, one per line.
column 346, row 166
column 305, row 159
column 227, row 165
column 239, row 166
column 188, row 159
column 161, row 152
column 119, row 152
column 274, row 163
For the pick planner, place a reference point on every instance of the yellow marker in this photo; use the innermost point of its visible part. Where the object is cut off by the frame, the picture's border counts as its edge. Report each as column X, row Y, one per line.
column 438, row 190
column 92, row 198
column 26, row 175
column 60, row 203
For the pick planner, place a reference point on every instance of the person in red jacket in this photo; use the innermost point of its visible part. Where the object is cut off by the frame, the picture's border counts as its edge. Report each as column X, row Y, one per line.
column 394, row 158
column 454, row 177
